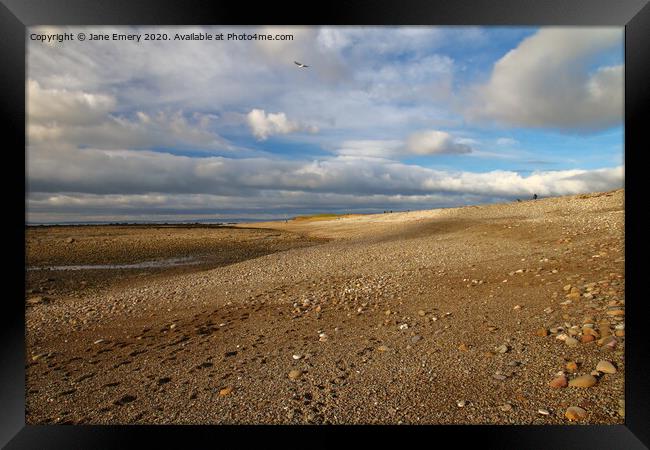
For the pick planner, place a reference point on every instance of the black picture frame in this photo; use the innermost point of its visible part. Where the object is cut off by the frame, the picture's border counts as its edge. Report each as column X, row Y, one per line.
column 16, row 15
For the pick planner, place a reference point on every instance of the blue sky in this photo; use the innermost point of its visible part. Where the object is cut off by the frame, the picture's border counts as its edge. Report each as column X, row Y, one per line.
column 384, row 118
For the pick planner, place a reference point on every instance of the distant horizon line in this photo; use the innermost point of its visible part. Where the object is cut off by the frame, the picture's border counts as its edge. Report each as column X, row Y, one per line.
column 234, row 221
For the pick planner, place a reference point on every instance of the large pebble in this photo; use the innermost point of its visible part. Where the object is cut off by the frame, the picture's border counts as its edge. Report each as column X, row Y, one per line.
column 583, row 381
column 605, row 367
column 295, row 374
column 558, row 382
column 575, row 413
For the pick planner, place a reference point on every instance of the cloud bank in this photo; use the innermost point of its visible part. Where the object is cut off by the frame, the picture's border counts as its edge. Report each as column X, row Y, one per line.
column 548, row 82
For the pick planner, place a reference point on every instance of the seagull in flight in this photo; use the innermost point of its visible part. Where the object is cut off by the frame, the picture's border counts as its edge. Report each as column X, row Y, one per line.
column 301, row 65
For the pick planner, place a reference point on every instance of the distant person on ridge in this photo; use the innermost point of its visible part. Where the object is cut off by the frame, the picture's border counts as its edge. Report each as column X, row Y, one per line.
column 534, row 196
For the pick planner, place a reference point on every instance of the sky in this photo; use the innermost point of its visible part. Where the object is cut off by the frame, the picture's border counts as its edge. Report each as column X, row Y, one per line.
column 384, row 118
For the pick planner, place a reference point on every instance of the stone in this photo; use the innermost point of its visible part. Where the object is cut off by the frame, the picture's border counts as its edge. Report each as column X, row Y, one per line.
column 583, row 381
column 571, row 366
column 558, row 382
column 295, row 374
column 382, row 348
column 571, row 342
column 296, row 357
column 607, row 340
column 463, row 347
column 543, row 332
column 69, row 240
column 421, row 313
column 575, row 413
column 461, row 403
column 605, row 367
column 616, row 312
column 225, row 391
column 502, row 348
column 586, row 338
column 415, row 339
column 543, row 412
column 506, row 407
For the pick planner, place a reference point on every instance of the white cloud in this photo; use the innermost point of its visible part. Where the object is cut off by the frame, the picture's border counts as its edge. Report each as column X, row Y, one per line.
column 264, row 125
column 81, row 118
column 66, row 107
column 434, row 142
column 428, row 142
column 547, row 82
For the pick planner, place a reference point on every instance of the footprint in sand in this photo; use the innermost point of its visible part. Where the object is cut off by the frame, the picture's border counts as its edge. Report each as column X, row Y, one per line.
column 125, row 400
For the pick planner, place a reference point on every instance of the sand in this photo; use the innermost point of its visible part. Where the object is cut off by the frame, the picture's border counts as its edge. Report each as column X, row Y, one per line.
column 459, row 315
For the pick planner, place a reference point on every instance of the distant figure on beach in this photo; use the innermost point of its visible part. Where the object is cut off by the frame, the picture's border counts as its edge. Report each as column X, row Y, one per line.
column 534, row 196
column 518, row 199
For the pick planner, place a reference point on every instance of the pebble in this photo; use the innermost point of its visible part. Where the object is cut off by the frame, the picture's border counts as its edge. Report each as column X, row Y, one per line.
column 543, row 332
column 98, row 341
column 506, row 407
column 543, row 412
column 583, row 381
column 403, row 326
column 421, row 313
column 572, row 366
column 382, row 348
column 461, row 403
column 322, row 337
column 571, row 342
column 608, row 342
column 294, row 374
column 575, row 413
column 415, row 339
column 605, row 367
column 586, row 338
column 558, row 382
column 296, row 357
column 502, row 348
column 225, row 391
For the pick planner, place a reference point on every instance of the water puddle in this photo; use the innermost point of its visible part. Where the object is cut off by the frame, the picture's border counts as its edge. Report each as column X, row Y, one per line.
column 160, row 263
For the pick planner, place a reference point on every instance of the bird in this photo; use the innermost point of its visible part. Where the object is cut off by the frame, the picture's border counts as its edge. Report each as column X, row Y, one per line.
column 301, row 65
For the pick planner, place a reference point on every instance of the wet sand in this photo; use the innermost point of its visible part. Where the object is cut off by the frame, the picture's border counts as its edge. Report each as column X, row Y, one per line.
column 460, row 315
